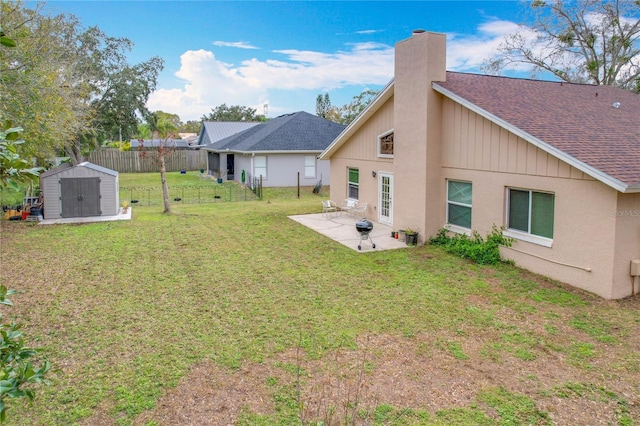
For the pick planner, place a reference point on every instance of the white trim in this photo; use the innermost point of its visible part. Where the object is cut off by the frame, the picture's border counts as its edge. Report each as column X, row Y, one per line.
column 385, row 219
column 307, row 166
column 382, row 135
column 458, row 229
column 530, row 238
column 456, row 203
column 603, row 177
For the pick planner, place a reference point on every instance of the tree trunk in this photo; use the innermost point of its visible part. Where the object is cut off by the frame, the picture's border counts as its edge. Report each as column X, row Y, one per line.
column 73, row 151
column 165, row 187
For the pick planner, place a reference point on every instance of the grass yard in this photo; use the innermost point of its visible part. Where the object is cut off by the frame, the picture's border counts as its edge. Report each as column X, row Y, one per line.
column 231, row 313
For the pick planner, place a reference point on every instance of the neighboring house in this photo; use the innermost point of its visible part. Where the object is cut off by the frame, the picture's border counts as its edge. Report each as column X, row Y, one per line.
column 214, row 131
column 282, row 151
column 556, row 164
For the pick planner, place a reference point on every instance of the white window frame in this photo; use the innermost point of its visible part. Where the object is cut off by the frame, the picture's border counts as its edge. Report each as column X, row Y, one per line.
column 380, row 136
column 310, row 166
column 356, row 185
column 453, row 227
column 258, row 167
column 519, row 234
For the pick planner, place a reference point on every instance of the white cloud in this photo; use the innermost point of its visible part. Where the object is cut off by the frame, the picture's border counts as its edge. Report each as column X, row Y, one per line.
column 209, row 82
column 467, row 53
column 236, row 44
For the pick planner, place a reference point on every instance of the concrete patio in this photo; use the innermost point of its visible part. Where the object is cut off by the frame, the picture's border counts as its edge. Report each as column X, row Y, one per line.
column 341, row 227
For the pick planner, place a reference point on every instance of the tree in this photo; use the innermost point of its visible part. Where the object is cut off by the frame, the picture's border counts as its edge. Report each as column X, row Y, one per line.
column 233, row 113
column 347, row 113
column 581, row 41
column 166, row 130
column 323, row 105
column 70, row 87
column 191, row 126
column 14, row 169
column 357, row 105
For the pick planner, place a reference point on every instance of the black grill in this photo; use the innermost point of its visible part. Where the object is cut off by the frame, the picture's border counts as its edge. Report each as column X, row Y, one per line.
column 364, row 228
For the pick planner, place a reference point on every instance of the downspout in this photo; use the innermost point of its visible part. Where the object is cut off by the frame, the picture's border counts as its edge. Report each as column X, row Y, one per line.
column 635, row 276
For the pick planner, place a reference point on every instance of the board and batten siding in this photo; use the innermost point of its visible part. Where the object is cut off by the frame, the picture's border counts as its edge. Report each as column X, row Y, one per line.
column 473, row 142
column 363, row 145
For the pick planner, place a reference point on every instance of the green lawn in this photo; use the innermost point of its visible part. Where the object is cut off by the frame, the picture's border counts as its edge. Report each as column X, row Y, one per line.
column 125, row 309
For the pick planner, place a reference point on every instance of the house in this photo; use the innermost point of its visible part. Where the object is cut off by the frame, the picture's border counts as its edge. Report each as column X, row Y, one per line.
column 214, row 131
column 556, row 164
column 282, row 151
column 84, row 190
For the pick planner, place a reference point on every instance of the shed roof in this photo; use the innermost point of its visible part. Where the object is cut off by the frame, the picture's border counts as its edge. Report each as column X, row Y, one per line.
column 296, row 132
column 64, row 166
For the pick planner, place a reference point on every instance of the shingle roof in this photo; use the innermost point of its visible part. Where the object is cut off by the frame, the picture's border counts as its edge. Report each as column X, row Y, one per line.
column 299, row 131
column 213, row 131
column 598, row 126
column 154, row 143
column 64, row 166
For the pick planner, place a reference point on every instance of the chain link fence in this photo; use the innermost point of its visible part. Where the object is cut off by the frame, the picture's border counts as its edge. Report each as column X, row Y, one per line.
column 226, row 192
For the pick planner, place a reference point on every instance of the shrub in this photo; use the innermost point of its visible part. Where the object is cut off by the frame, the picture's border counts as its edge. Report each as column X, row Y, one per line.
column 17, row 370
column 485, row 251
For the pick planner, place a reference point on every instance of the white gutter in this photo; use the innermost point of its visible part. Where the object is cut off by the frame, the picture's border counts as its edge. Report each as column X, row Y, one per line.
column 597, row 174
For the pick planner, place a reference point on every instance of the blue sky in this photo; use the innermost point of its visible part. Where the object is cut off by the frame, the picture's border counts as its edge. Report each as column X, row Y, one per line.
column 285, row 53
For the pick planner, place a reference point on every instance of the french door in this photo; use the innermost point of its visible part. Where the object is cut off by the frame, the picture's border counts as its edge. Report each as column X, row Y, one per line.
column 385, row 198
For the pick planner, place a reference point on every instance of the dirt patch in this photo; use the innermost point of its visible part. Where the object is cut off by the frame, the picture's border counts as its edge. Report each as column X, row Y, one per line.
column 403, row 372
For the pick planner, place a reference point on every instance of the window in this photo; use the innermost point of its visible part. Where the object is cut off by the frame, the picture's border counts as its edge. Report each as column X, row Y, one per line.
column 353, row 183
column 309, row 166
column 260, row 166
column 459, row 203
column 530, row 212
column 385, row 144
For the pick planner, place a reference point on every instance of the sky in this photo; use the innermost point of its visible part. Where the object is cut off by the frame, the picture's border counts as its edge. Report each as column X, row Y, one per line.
column 283, row 54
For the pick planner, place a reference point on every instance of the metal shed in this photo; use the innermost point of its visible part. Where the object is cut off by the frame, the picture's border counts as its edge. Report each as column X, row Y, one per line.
column 83, row 190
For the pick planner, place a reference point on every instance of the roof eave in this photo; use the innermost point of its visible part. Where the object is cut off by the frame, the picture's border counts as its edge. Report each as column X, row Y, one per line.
column 595, row 173
column 235, row 151
column 362, row 118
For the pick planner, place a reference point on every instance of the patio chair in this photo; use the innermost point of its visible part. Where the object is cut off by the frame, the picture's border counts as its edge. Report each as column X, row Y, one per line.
column 360, row 209
column 348, row 206
column 329, row 207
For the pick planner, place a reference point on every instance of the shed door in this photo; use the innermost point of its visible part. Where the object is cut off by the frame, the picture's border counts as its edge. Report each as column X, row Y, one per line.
column 80, row 197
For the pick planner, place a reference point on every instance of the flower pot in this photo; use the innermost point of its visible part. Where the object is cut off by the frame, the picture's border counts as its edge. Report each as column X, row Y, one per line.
column 411, row 239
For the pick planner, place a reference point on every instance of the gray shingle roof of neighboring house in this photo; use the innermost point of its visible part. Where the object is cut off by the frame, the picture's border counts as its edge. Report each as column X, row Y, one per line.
column 213, row 131
column 296, row 132
column 153, row 143
column 599, row 126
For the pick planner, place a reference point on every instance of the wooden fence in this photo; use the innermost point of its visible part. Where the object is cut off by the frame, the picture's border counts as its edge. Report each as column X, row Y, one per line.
column 132, row 162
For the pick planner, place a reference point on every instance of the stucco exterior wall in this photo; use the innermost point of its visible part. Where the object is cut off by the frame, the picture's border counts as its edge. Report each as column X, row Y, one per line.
column 419, row 60
column 283, row 169
column 592, row 244
column 627, row 242
column 582, row 250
